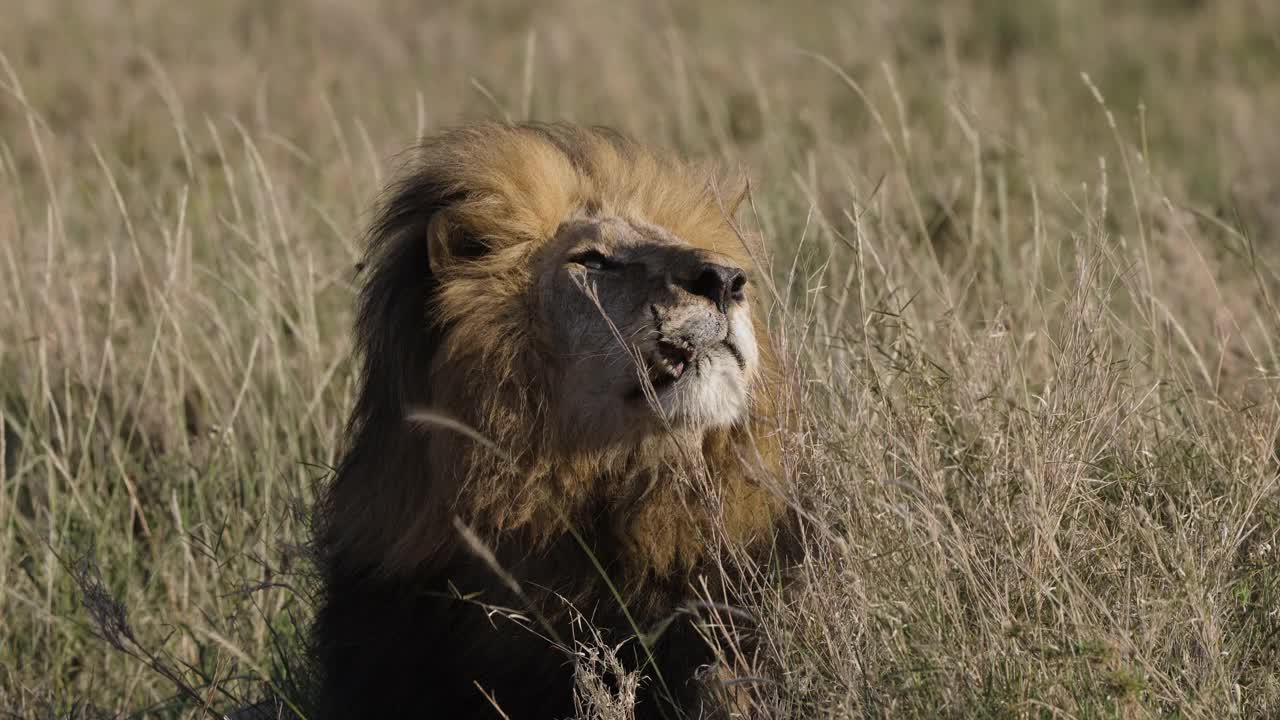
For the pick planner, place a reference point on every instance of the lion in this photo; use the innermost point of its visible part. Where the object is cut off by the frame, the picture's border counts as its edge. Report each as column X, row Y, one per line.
column 567, row 406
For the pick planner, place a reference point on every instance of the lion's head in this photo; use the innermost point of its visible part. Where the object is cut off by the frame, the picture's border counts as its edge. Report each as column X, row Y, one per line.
column 642, row 331
column 583, row 307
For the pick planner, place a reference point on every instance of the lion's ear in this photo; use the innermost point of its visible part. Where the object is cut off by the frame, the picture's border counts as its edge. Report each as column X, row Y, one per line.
column 449, row 241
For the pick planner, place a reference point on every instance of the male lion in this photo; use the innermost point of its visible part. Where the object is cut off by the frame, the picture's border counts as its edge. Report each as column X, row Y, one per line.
column 577, row 307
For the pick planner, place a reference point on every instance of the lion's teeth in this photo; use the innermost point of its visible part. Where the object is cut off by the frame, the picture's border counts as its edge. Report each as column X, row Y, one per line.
column 666, row 368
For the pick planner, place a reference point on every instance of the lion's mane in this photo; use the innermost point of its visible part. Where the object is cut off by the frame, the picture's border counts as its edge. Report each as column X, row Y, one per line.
column 404, row 616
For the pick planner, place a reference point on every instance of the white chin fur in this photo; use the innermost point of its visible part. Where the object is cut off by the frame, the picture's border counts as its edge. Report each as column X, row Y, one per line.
column 716, row 395
column 716, row 398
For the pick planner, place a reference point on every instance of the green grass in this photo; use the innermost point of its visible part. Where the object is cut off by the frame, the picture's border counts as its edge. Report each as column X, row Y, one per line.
column 1027, row 261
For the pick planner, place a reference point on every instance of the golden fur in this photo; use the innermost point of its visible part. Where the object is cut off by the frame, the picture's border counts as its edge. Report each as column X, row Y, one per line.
column 453, row 257
column 516, row 188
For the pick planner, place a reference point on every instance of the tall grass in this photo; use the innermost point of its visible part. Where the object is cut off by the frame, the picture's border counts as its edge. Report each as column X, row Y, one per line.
column 1023, row 261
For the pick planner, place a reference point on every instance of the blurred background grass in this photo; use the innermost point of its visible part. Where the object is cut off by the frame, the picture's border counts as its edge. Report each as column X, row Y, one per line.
column 1026, row 254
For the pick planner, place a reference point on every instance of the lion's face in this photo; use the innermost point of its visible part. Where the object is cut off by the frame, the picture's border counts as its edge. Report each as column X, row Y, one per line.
column 644, row 329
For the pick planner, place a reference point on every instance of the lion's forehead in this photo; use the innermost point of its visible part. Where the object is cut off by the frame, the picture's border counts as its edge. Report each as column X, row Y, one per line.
column 720, row 241
column 646, row 239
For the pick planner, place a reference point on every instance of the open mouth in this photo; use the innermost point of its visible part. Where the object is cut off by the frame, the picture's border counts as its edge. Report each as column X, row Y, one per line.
column 669, row 363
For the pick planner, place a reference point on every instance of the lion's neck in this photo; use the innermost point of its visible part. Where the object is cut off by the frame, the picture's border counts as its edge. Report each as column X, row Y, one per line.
column 658, row 495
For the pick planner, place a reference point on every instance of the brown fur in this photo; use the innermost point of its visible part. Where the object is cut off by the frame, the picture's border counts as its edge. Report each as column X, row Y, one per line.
column 446, row 325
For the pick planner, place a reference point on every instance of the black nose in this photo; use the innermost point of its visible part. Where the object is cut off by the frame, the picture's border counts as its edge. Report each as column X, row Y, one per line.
column 720, row 284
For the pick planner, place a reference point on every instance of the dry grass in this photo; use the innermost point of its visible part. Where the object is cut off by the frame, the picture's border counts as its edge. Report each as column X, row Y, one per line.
column 1034, row 317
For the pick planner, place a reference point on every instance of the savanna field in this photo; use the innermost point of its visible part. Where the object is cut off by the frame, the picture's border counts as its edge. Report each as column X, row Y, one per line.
column 1024, row 264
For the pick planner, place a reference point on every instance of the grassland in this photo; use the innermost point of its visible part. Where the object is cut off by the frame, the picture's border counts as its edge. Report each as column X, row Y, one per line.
column 1026, row 262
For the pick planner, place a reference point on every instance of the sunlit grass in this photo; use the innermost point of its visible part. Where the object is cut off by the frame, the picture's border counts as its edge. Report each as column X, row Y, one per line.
column 1025, row 259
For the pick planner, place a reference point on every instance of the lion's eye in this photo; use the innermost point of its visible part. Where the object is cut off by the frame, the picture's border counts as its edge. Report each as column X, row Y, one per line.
column 593, row 260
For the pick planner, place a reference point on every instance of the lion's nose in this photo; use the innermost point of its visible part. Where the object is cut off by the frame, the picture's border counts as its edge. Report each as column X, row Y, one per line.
column 720, row 284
